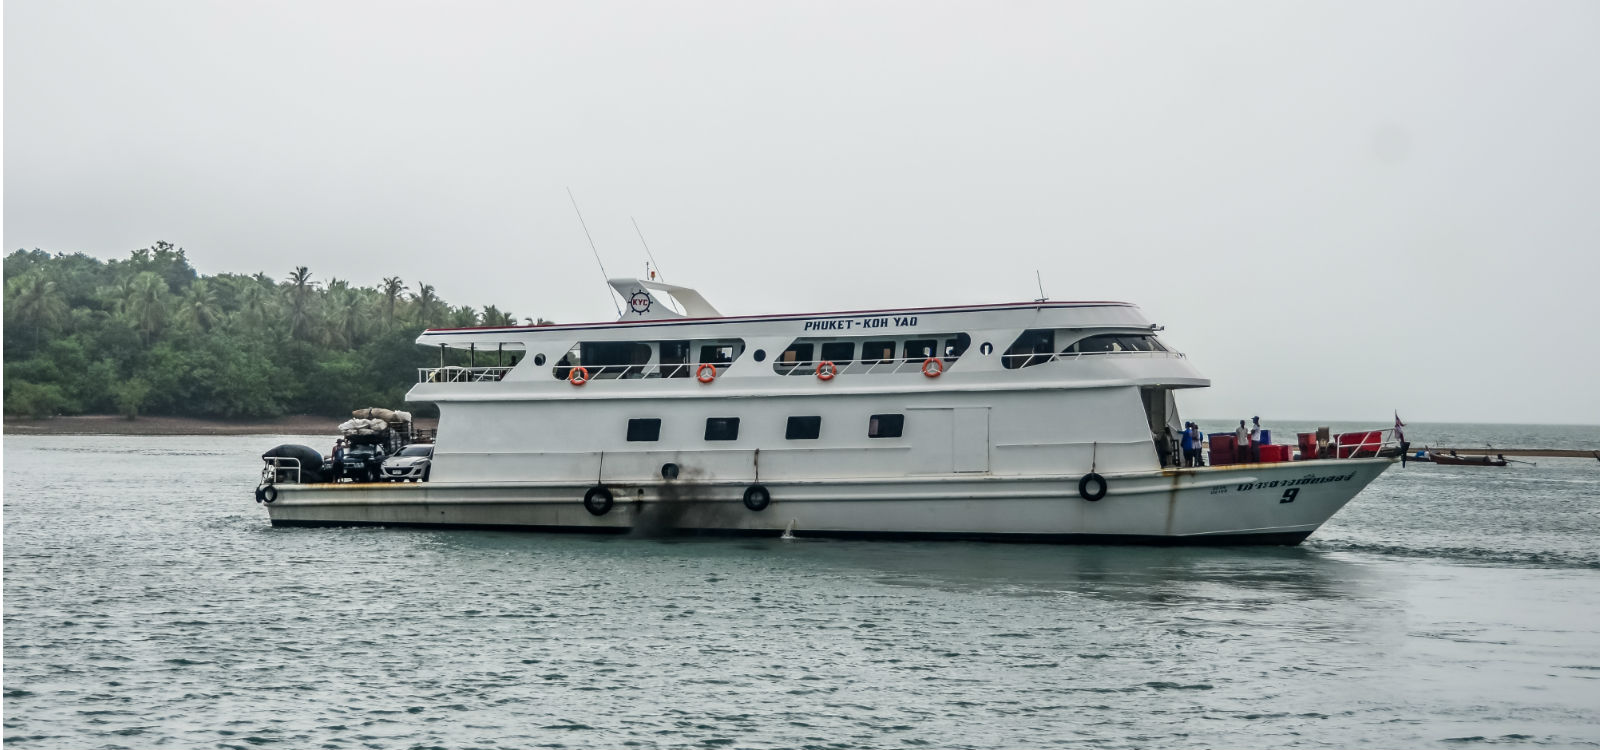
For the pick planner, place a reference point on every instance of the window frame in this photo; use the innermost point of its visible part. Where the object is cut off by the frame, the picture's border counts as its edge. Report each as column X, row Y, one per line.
column 642, row 423
column 810, row 428
column 730, row 424
column 879, row 426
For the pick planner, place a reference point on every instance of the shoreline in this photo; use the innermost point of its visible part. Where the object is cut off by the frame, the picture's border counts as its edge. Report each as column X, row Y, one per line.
column 112, row 424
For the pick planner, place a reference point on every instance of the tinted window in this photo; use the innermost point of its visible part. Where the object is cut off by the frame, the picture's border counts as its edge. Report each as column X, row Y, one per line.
column 839, row 352
column 957, row 346
column 886, row 425
column 920, row 348
column 803, row 428
column 416, row 450
column 722, row 428
column 644, row 430
column 796, row 354
column 1034, row 347
column 874, row 352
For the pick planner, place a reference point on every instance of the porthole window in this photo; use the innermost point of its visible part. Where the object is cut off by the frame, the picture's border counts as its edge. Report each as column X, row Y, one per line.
column 538, row 359
column 760, row 355
column 986, row 349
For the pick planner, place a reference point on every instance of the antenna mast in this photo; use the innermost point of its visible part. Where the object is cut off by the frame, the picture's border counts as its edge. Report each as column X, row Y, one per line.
column 603, row 274
column 647, row 250
column 1040, row 279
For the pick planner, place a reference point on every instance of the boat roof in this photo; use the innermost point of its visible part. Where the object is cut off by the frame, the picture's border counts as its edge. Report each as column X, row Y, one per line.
column 646, row 307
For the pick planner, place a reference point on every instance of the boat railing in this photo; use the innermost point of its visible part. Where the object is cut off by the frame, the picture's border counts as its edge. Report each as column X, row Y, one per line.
column 1017, row 361
column 280, row 470
column 458, row 374
column 860, row 367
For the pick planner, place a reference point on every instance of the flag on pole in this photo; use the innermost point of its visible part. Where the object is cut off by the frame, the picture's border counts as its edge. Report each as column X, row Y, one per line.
column 1399, row 429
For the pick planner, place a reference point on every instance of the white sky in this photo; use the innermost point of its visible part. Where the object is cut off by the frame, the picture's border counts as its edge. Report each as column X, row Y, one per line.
column 1337, row 209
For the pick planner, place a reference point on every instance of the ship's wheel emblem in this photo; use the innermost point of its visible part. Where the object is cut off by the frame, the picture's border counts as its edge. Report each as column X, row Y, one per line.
column 639, row 302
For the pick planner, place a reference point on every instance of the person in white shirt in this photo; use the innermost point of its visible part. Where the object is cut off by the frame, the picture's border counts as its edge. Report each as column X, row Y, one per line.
column 1242, row 435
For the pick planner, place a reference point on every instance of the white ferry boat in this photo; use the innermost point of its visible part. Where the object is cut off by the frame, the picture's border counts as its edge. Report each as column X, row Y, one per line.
column 1035, row 421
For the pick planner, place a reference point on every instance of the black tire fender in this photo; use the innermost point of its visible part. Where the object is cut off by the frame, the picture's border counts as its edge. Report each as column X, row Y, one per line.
column 1099, row 483
column 258, row 493
column 598, row 500
column 757, row 498
column 269, row 493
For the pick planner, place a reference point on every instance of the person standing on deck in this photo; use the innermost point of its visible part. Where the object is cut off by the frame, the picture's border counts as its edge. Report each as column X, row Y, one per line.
column 1188, row 445
column 1255, row 438
column 1243, row 438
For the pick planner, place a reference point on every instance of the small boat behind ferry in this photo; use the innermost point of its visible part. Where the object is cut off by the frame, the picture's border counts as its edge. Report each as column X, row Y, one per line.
column 1034, row 421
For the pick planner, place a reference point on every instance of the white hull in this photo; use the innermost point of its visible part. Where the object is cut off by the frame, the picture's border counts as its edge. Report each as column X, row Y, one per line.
column 1231, row 504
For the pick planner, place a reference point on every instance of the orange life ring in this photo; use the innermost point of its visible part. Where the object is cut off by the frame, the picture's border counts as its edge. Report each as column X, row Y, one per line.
column 826, row 370
column 933, row 367
column 706, row 372
column 578, row 376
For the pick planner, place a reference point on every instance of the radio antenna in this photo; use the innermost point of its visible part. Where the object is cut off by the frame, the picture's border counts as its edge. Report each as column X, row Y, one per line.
column 647, row 250
column 1040, row 279
column 596, row 251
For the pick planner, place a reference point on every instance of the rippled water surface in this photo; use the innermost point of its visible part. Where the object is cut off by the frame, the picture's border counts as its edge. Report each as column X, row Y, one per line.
column 149, row 604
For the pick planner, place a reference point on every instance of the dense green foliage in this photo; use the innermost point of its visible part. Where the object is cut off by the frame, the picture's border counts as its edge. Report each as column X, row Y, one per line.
column 148, row 335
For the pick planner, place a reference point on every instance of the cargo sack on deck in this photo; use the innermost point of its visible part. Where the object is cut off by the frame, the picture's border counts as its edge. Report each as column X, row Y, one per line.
column 374, row 412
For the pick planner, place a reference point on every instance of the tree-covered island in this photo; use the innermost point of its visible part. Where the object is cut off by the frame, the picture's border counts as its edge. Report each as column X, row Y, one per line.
column 149, row 335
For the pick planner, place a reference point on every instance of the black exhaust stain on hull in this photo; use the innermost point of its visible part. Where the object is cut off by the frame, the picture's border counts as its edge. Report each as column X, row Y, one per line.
column 682, row 506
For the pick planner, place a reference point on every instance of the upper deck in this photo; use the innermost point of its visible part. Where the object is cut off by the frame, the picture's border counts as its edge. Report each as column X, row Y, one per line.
column 654, row 350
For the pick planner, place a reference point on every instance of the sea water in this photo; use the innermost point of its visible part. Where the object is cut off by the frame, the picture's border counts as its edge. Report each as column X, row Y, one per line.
column 148, row 603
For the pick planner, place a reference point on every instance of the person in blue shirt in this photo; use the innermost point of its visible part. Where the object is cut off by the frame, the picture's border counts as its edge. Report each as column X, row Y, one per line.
column 1192, row 440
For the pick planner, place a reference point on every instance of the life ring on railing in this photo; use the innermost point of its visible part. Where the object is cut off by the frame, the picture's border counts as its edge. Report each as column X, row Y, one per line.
column 706, row 372
column 826, row 370
column 1095, row 479
column 933, row 367
column 269, row 493
column 578, row 376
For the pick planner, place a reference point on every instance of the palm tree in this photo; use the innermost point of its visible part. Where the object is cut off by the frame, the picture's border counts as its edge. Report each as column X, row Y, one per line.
column 492, row 316
column 392, row 288
column 147, row 303
column 256, row 302
column 463, row 316
column 36, row 302
column 200, row 307
column 300, row 288
column 426, row 302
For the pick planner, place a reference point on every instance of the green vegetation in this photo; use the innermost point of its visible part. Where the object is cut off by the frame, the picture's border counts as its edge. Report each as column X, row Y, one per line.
column 148, row 335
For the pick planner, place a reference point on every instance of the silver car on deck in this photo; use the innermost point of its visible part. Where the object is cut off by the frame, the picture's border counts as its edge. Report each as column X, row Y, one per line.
column 412, row 463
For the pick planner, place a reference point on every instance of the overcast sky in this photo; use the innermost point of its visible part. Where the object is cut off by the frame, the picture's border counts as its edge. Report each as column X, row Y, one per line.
column 1336, row 209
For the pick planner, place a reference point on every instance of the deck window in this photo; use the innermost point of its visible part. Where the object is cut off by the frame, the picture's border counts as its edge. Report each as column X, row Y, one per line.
column 722, row 428
column 886, row 425
column 796, row 355
column 1033, row 347
column 920, row 349
column 803, row 428
column 840, row 353
column 720, row 353
column 875, row 352
column 1107, row 343
column 675, row 359
column 957, row 346
column 644, row 430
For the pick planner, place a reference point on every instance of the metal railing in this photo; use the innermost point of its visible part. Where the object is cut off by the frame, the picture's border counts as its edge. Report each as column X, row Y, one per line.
column 280, row 470
column 1018, row 361
column 637, row 372
column 458, row 374
column 862, row 367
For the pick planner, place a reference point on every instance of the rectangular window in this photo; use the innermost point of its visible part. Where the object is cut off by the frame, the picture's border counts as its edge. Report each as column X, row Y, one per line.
column 644, row 430
column 840, row 353
column 874, row 352
column 886, row 425
column 722, row 428
column 920, row 349
column 957, row 346
column 796, row 354
column 803, row 428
